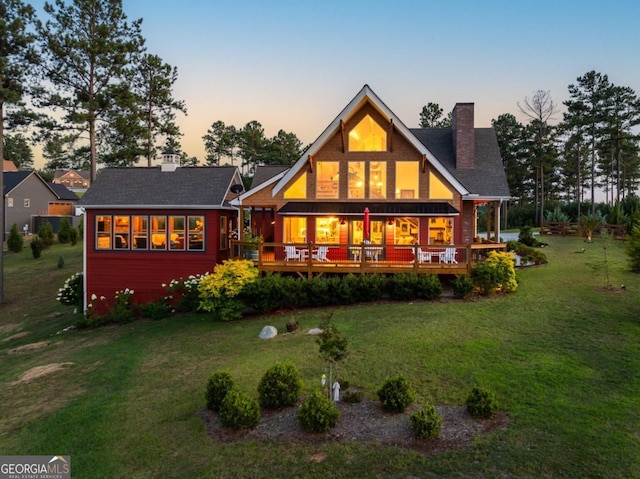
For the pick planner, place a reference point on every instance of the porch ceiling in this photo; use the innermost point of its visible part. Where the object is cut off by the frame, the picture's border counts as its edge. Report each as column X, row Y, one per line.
column 375, row 209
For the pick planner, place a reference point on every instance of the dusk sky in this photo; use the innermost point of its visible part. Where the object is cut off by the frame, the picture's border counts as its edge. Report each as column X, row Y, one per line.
column 294, row 65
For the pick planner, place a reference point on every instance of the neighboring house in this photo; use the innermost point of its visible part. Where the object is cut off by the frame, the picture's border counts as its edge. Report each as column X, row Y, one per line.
column 8, row 165
column 147, row 226
column 420, row 186
column 73, row 179
column 28, row 196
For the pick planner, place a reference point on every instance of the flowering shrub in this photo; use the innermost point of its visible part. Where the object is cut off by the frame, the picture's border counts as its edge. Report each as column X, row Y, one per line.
column 72, row 292
column 219, row 290
column 121, row 310
column 184, row 293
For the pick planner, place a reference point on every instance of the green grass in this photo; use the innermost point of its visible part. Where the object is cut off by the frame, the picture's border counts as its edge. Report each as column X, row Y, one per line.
column 562, row 355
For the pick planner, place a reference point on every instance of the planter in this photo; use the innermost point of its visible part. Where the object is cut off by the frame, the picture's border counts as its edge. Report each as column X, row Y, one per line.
column 291, row 327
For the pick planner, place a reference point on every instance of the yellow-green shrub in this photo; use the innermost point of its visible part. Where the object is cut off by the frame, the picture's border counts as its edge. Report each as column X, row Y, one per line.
column 219, row 290
column 504, row 264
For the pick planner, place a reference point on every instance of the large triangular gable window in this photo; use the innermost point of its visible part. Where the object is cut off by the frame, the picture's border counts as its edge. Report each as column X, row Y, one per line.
column 367, row 136
column 437, row 189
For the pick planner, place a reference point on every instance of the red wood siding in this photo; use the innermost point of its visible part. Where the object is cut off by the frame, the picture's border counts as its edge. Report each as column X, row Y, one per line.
column 144, row 272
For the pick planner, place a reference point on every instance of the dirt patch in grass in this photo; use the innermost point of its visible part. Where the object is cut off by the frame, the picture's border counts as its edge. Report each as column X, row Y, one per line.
column 16, row 336
column 365, row 421
column 40, row 371
column 29, row 347
column 8, row 327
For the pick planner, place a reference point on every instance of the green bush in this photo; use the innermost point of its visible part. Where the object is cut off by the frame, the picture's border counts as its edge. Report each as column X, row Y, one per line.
column 73, row 236
column 485, row 277
column 15, row 241
column 428, row 286
column 318, row 413
column 481, row 403
column 239, row 411
column 122, row 309
column 462, row 286
column 526, row 236
column 37, row 245
column 403, row 286
column 426, row 422
column 64, row 231
column 529, row 254
column 633, row 249
column 156, row 309
column 280, row 386
column 45, row 233
column 352, row 396
column 218, row 385
column 504, row 264
column 396, row 394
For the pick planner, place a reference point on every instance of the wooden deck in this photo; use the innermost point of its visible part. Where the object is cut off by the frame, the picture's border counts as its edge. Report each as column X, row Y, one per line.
column 362, row 259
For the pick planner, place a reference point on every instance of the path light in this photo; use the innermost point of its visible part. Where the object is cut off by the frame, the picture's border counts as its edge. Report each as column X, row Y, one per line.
column 323, row 380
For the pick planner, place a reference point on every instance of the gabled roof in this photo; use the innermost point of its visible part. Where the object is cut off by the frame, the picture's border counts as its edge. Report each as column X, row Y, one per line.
column 487, row 179
column 11, row 179
column 266, row 172
column 363, row 96
column 62, row 192
column 188, row 187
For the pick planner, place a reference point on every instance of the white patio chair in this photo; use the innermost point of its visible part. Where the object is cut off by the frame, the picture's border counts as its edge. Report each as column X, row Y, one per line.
column 448, row 256
column 424, row 256
column 292, row 253
column 321, row 254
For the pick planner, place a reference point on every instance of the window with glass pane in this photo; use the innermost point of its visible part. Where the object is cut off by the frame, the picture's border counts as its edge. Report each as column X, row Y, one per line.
column 437, row 189
column 440, row 230
column 176, row 232
column 406, row 231
column 223, row 233
column 158, row 232
column 298, row 190
column 196, row 233
column 121, row 233
column 103, row 232
column 140, row 228
column 356, row 179
column 295, row 229
column 327, row 230
column 368, row 136
column 327, row 179
column 378, row 179
column 407, row 175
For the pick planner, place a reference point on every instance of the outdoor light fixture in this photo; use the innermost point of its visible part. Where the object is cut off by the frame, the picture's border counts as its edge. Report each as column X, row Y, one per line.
column 390, row 222
column 342, row 222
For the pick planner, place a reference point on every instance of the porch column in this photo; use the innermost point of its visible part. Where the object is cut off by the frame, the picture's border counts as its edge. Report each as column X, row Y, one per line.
column 496, row 220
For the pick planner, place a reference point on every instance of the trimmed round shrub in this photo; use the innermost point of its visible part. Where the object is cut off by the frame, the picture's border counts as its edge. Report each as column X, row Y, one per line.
column 280, row 386
column 396, row 394
column 426, row 422
column 218, row 385
column 318, row 413
column 239, row 411
column 481, row 403
column 352, row 396
column 462, row 286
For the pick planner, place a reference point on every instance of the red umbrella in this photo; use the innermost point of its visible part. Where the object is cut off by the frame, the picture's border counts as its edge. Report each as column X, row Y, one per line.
column 367, row 222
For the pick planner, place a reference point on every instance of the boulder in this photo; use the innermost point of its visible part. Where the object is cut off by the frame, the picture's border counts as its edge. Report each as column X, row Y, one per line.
column 315, row 331
column 268, row 332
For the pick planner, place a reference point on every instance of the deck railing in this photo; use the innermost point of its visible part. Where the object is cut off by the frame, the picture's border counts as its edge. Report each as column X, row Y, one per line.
column 317, row 258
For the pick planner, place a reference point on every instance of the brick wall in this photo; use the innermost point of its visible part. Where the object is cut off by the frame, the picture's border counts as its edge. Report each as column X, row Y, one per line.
column 464, row 136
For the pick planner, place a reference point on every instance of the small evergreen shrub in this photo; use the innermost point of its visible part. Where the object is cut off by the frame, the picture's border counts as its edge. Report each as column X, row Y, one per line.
column 352, row 396
column 532, row 255
column 218, row 385
column 426, row 422
column 239, row 411
column 15, row 241
column 512, row 245
column 403, row 286
column 45, row 233
column 481, row 403
column 633, row 249
column 60, row 262
column 280, row 386
column 64, row 231
column 462, row 286
column 526, row 236
column 396, row 394
column 73, row 236
column 157, row 309
column 428, row 286
column 485, row 278
column 37, row 245
column 318, row 413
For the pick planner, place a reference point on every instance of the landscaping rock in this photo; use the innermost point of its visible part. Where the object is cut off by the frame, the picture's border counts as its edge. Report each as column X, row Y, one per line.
column 315, row 331
column 268, row 332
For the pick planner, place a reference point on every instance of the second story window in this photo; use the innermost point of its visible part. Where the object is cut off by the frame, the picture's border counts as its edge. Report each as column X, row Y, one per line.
column 407, row 175
column 327, row 179
column 367, row 135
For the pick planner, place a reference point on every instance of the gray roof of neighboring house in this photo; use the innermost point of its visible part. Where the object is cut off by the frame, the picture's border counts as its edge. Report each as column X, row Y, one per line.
column 187, row 186
column 265, row 173
column 62, row 192
column 11, row 179
column 488, row 178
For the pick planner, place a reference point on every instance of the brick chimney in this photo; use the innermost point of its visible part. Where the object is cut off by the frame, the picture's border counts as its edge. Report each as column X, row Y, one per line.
column 464, row 138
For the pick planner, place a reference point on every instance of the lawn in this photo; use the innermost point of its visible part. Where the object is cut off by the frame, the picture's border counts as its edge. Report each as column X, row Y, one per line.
column 562, row 355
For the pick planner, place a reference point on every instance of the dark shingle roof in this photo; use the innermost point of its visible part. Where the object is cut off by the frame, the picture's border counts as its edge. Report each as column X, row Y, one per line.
column 487, row 178
column 62, row 192
column 265, row 173
column 11, row 179
column 194, row 186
